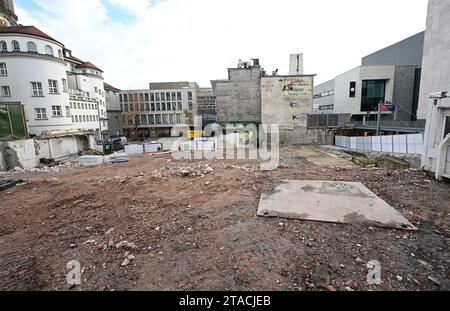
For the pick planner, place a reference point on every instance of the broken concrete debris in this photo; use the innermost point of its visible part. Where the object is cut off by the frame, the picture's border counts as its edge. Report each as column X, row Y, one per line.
column 337, row 202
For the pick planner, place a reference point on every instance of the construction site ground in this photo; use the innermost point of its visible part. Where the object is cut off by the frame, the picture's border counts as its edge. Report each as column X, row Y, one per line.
column 193, row 226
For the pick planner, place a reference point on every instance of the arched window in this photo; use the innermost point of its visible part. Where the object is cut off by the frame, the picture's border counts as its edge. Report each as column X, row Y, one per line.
column 48, row 50
column 3, row 46
column 60, row 54
column 32, row 47
column 16, row 46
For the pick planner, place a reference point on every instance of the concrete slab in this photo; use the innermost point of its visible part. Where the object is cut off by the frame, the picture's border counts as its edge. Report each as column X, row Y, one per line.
column 336, row 202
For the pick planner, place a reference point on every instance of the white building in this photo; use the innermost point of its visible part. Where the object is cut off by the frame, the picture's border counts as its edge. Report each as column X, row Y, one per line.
column 58, row 91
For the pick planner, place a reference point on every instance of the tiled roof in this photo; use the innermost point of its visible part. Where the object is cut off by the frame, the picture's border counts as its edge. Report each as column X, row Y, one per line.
column 110, row 87
column 27, row 30
column 89, row 66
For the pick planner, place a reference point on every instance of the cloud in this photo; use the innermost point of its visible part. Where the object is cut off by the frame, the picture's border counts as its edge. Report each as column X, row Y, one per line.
column 139, row 41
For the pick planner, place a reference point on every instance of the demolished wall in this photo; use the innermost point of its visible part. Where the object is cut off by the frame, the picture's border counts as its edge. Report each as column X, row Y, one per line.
column 20, row 153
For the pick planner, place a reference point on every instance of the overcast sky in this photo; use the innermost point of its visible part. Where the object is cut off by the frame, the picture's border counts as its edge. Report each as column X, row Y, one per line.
column 140, row 41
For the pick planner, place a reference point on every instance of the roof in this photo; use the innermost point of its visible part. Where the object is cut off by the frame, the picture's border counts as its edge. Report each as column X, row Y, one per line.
column 27, row 30
column 110, row 87
column 88, row 65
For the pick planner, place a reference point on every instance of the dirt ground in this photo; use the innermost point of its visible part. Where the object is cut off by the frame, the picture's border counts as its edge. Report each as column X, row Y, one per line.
column 201, row 232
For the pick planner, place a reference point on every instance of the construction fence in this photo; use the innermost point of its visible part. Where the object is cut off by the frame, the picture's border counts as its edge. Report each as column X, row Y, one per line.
column 400, row 144
column 12, row 122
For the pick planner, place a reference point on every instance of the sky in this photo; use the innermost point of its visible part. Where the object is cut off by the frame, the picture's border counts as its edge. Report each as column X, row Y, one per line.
column 140, row 41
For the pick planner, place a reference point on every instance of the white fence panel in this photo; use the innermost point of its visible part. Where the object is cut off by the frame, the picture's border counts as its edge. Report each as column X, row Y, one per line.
column 401, row 144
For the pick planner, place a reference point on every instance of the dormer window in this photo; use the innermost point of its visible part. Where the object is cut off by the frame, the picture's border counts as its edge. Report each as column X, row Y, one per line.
column 60, row 54
column 3, row 47
column 15, row 46
column 49, row 50
column 32, row 48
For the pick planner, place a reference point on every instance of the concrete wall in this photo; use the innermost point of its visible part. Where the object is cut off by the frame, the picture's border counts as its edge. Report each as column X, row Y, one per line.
column 60, row 148
column 343, row 103
column 239, row 98
column 115, row 124
column 20, row 153
column 403, row 96
column 403, row 53
column 436, row 57
column 305, row 136
column 286, row 100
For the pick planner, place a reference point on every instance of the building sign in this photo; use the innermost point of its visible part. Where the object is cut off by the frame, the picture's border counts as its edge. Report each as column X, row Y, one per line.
column 387, row 107
column 296, row 86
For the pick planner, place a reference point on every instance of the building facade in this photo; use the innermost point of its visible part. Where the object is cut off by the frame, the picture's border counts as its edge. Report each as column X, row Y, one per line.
column 154, row 112
column 435, row 88
column 39, row 72
column 238, row 98
column 113, row 111
column 389, row 75
column 206, row 106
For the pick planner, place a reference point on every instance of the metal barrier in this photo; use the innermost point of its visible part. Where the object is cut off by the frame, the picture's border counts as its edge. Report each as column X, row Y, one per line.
column 401, row 144
column 328, row 120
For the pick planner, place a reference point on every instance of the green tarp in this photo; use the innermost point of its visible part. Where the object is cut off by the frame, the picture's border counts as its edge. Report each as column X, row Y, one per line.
column 12, row 123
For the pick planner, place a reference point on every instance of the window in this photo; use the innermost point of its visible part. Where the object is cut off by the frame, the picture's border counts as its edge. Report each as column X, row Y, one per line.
column 64, row 84
column 189, row 95
column 174, row 106
column 78, row 104
column 3, row 69
column 76, row 118
column 174, row 97
column 163, row 96
column 171, row 119
column 447, row 126
column 164, row 119
column 178, row 118
column 49, row 50
column 3, row 46
column 67, row 111
column 190, row 106
column 373, row 92
column 179, row 96
column 15, row 46
column 41, row 114
column 151, row 119
column 53, row 86
column 32, row 47
column 168, row 96
column 158, row 119
column 163, row 106
column 60, row 54
column 152, row 97
column 153, row 107
column 56, row 111
column 6, row 91
column 146, row 97
column 37, row 89
column 120, row 98
column 157, row 97
column 180, row 106
column 144, row 119
column 158, row 107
